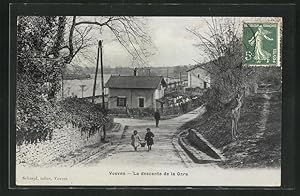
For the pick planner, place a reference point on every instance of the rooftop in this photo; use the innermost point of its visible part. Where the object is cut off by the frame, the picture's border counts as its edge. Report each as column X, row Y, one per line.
column 135, row 82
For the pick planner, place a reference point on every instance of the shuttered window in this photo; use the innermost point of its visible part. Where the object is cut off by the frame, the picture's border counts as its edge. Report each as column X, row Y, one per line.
column 121, row 101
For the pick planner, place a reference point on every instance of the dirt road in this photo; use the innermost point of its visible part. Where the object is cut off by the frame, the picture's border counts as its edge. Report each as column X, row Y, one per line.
column 163, row 151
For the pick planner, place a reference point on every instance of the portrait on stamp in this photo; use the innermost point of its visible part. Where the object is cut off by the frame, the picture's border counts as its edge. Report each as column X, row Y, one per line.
column 260, row 42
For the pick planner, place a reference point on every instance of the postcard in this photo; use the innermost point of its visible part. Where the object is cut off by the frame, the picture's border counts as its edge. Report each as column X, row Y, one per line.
column 148, row 101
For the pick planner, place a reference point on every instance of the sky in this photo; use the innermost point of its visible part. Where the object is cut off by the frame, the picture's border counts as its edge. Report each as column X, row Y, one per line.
column 174, row 45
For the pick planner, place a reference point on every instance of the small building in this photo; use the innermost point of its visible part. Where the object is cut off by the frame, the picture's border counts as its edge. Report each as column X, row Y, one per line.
column 135, row 91
column 198, row 77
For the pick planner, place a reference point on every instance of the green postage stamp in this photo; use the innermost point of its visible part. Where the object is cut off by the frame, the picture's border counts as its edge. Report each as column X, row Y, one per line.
column 261, row 46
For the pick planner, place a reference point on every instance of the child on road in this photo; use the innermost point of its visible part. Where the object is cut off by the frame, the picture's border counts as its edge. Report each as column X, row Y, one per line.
column 135, row 140
column 149, row 138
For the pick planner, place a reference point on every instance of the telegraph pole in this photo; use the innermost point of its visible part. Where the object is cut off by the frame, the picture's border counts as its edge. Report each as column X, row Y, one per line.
column 180, row 85
column 180, row 77
column 95, row 80
column 102, row 78
column 82, row 87
column 62, row 85
column 167, row 73
column 102, row 85
column 167, row 79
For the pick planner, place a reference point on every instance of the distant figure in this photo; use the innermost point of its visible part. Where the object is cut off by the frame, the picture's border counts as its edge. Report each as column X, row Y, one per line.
column 135, row 71
column 162, row 106
column 149, row 138
column 135, row 140
column 157, row 117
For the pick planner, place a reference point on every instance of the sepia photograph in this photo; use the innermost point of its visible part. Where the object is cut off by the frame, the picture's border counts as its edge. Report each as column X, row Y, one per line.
column 148, row 101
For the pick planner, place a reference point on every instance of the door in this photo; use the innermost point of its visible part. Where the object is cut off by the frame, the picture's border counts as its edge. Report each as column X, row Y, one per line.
column 141, row 102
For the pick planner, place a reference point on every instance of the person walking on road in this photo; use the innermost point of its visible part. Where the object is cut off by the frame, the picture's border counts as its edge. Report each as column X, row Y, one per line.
column 149, row 138
column 157, row 117
column 135, row 140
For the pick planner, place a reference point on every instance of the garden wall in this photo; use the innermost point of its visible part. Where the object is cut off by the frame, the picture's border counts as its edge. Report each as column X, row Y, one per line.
column 64, row 141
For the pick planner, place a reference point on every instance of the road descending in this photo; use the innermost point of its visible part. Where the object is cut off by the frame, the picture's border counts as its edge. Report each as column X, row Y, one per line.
column 163, row 152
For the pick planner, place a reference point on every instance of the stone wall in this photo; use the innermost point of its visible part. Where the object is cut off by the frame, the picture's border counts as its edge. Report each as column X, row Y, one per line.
column 202, row 144
column 64, row 141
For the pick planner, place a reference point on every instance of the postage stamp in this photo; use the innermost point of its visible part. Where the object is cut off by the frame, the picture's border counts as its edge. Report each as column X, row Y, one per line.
column 261, row 44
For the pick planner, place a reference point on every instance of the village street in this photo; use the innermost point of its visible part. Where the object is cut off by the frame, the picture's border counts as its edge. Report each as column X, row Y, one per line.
column 163, row 152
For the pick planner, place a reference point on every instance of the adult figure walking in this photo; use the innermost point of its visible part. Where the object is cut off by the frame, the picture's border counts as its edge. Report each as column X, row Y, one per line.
column 157, row 117
column 149, row 138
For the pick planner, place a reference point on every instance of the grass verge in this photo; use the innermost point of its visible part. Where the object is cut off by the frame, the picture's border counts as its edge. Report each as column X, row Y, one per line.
column 255, row 147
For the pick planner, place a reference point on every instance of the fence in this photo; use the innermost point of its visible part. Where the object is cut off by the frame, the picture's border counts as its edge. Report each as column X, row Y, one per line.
column 164, row 111
column 181, row 108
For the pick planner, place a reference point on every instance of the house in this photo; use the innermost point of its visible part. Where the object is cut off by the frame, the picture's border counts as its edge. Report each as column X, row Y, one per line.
column 135, row 91
column 198, row 76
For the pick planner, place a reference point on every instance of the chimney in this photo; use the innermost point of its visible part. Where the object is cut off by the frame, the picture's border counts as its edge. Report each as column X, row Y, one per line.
column 135, row 72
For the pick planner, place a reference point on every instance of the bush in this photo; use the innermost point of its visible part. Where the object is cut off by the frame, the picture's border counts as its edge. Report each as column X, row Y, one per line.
column 85, row 115
column 80, row 76
column 37, row 121
column 142, row 112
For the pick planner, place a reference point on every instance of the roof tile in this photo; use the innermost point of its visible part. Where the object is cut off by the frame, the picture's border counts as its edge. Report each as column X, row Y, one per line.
column 136, row 82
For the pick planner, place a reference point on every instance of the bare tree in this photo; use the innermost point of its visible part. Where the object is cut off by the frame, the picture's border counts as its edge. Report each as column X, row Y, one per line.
column 128, row 31
column 45, row 45
column 222, row 44
column 73, row 35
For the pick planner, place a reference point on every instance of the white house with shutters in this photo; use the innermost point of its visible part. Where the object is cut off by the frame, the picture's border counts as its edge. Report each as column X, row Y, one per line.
column 135, row 91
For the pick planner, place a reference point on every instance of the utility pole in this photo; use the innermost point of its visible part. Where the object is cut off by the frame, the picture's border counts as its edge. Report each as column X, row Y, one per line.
column 179, row 85
column 102, row 84
column 167, row 75
column 95, row 80
column 180, row 77
column 62, row 85
column 102, row 78
column 82, row 87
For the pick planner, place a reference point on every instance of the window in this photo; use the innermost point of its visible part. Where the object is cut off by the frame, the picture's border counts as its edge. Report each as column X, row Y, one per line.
column 198, row 76
column 121, row 101
column 141, row 102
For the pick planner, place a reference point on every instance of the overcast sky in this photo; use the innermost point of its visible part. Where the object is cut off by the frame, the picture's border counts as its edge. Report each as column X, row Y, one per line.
column 174, row 44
